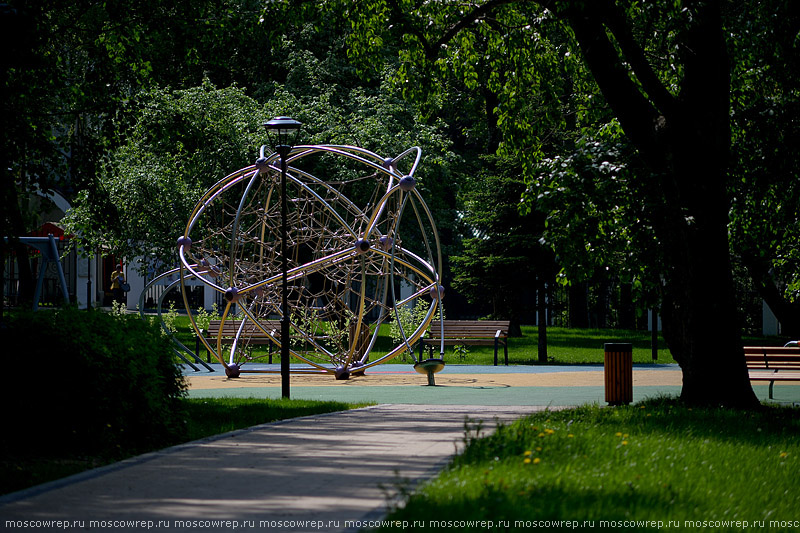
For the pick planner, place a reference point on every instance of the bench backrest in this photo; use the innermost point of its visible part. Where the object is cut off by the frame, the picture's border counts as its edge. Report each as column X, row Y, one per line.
column 773, row 357
column 231, row 327
column 470, row 328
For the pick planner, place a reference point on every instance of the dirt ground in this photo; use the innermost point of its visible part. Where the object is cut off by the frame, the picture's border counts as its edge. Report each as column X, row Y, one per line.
column 384, row 378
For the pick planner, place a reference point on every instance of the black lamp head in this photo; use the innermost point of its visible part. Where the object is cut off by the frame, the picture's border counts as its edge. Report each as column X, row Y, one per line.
column 282, row 132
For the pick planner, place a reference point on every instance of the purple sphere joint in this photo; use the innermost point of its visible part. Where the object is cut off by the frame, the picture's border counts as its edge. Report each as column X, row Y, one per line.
column 233, row 371
column 354, row 369
column 341, row 373
column 408, row 183
column 386, row 243
column 186, row 242
column 261, row 165
column 362, row 245
column 388, row 163
column 232, row 294
column 437, row 294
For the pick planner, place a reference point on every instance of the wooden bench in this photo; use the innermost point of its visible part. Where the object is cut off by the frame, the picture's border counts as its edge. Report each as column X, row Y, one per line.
column 773, row 363
column 251, row 335
column 469, row 333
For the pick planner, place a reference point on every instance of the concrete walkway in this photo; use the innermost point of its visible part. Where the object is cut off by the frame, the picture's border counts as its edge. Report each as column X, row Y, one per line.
column 319, row 473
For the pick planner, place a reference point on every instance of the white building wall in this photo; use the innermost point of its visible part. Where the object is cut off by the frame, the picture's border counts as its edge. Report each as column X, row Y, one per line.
column 769, row 322
column 138, row 284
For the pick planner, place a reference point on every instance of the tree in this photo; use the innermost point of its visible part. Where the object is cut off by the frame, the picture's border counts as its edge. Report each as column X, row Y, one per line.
column 503, row 265
column 181, row 142
column 65, row 66
column 596, row 220
column 669, row 90
column 765, row 214
column 90, row 115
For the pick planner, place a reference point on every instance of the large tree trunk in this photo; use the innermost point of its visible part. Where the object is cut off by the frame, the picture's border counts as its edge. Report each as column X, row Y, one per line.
column 701, row 322
column 685, row 141
column 701, row 325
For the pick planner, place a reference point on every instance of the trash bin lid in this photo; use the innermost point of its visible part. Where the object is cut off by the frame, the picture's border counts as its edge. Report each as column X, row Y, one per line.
column 618, row 347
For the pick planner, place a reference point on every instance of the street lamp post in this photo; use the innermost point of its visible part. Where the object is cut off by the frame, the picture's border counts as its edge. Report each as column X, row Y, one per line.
column 282, row 132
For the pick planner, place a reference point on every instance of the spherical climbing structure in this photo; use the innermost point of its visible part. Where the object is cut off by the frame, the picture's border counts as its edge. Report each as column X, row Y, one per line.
column 361, row 245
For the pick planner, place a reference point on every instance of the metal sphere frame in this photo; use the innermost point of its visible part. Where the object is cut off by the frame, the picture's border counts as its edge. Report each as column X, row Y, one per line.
column 346, row 261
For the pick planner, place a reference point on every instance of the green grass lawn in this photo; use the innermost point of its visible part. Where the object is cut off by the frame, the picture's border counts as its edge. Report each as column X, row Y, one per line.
column 204, row 417
column 655, row 461
column 564, row 346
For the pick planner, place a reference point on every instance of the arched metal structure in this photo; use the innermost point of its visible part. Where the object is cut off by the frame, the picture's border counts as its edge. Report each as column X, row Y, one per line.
column 356, row 241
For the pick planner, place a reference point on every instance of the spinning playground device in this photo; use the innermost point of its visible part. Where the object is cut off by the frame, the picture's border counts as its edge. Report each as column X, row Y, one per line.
column 361, row 246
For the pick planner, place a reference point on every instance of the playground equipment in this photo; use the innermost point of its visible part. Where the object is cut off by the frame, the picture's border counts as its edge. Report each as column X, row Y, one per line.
column 361, row 245
column 50, row 256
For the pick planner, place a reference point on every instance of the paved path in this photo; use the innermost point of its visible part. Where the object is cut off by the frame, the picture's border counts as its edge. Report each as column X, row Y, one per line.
column 274, row 477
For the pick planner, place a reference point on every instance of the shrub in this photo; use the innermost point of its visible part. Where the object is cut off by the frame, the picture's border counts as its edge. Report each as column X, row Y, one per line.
column 88, row 381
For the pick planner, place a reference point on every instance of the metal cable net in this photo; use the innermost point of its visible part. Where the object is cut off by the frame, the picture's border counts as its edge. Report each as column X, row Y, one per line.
column 360, row 245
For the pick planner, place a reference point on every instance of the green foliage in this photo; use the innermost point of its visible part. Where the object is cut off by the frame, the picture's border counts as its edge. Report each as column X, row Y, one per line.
column 651, row 461
column 118, row 309
column 648, row 207
column 503, row 256
column 169, row 319
column 203, row 318
column 182, row 142
column 103, row 382
column 410, row 318
column 461, row 352
column 91, row 79
column 765, row 119
column 598, row 217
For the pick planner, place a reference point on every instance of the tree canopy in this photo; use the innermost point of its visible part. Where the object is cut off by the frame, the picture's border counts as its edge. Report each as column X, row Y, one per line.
column 662, row 71
column 648, row 141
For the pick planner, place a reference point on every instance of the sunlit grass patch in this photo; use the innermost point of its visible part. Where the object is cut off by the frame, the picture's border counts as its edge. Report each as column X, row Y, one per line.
column 652, row 461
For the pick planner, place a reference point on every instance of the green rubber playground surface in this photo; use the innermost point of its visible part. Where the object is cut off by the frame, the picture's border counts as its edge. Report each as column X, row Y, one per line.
column 465, row 385
column 443, row 395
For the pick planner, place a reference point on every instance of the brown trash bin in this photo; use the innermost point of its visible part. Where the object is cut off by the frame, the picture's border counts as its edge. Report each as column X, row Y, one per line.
column 618, row 366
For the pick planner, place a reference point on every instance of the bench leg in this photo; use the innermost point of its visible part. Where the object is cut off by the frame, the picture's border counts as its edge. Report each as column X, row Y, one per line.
column 495, row 352
column 208, row 354
column 197, row 347
column 771, row 383
column 505, row 350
